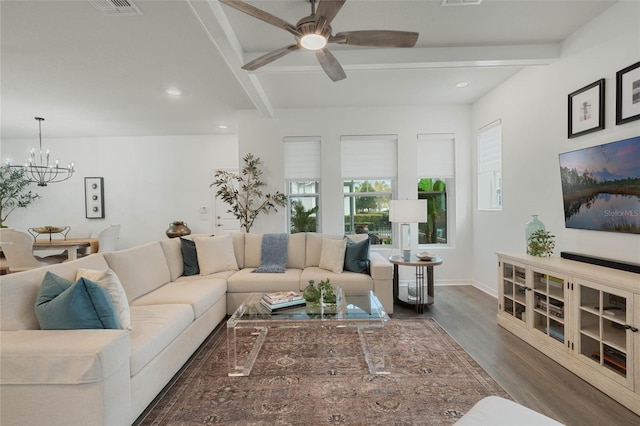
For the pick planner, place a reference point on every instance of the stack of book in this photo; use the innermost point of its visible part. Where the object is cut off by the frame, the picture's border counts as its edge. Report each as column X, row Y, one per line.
column 282, row 300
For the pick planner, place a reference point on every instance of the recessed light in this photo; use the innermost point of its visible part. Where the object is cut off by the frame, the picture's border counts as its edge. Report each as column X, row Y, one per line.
column 222, row 126
column 174, row 92
column 462, row 84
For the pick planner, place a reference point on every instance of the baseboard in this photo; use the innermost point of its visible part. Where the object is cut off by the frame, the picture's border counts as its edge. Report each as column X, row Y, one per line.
column 491, row 291
column 602, row 261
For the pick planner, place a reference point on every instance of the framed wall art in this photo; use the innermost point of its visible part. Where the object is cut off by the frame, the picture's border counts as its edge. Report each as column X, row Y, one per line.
column 586, row 109
column 94, row 197
column 628, row 94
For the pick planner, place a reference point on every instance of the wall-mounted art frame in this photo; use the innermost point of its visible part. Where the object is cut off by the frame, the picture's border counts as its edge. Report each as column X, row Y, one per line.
column 628, row 94
column 586, row 109
column 94, row 197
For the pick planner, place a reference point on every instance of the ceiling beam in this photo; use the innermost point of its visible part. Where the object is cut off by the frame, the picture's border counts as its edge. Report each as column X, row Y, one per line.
column 422, row 58
column 215, row 23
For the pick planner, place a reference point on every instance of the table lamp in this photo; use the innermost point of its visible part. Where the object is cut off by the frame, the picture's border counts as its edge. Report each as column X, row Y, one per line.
column 406, row 212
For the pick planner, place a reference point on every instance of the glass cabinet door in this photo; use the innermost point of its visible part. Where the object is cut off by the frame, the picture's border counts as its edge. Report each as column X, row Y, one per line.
column 549, row 305
column 513, row 289
column 603, row 338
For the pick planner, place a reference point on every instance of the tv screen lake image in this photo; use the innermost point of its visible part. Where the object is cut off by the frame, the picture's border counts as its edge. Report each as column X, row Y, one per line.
column 601, row 187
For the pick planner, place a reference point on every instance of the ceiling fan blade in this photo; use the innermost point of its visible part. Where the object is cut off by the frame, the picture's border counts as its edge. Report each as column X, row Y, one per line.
column 330, row 65
column 329, row 9
column 269, row 57
column 262, row 15
column 376, row 38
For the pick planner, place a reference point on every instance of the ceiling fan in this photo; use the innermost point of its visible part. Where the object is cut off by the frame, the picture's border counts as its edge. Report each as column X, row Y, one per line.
column 313, row 32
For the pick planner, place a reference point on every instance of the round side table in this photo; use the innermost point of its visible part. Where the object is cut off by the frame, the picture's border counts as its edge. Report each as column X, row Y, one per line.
column 421, row 299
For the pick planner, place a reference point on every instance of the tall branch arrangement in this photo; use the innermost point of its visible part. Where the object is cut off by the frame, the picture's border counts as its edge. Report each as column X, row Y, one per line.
column 13, row 193
column 244, row 193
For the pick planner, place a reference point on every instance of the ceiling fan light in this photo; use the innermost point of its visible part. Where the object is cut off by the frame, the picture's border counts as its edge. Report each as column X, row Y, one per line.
column 313, row 41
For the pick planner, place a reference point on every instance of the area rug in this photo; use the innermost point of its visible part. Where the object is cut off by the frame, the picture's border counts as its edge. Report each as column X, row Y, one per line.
column 319, row 376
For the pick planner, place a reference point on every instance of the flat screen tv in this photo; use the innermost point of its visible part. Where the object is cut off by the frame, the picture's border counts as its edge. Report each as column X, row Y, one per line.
column 601, row 187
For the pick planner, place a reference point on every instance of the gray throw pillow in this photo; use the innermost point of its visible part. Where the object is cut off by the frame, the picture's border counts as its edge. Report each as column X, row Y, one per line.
column 356, row 257
column 189, row 257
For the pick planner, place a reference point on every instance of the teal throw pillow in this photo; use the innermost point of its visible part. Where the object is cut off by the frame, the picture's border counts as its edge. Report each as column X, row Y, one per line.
column 64, row 305
column 189, row 257
column 356, row 257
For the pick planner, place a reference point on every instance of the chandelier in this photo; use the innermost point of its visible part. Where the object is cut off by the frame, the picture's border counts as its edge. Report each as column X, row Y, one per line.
column 42, row 172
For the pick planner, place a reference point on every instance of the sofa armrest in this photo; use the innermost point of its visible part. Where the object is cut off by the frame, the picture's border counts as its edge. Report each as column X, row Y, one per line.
column 61, row 356
column 381, row 268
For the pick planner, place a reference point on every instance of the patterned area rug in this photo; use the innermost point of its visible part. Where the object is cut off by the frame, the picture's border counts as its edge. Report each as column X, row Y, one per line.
column 319, row 376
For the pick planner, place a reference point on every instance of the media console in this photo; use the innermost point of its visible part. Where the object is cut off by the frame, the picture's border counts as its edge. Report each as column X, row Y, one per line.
column 584, row 316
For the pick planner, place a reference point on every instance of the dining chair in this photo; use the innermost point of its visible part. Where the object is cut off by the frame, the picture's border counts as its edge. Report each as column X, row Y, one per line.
column 19, row 253
column 108, row 238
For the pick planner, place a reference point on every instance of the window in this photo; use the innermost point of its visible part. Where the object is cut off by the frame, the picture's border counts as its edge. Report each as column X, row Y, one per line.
column 369, row 168
column 436, row 172
column 490, row 167
column 366, row 209
column 302, row 177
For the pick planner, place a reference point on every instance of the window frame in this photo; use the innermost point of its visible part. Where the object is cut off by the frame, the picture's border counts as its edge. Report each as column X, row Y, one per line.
column 352, row 195
column 494, row 180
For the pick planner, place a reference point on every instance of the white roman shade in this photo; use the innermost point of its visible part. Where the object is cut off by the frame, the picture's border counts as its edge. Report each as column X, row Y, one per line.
column 302, row 158
column 436, row 155
column 369, row 157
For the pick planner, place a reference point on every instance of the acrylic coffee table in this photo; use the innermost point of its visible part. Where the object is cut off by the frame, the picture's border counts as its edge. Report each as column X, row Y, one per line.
column 360, row 310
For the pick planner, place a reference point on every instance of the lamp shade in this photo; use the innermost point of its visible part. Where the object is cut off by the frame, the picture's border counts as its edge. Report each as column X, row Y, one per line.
column 408, row 211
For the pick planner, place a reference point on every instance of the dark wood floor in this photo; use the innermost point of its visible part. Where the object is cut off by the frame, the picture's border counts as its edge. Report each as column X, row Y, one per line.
column 531, row 378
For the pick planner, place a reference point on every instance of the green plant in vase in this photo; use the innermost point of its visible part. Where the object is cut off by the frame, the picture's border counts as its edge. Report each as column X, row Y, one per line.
column 319, row 294
column 541, row 243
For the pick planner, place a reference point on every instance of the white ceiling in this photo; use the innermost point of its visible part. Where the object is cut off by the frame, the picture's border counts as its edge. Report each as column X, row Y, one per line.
column 94, row 75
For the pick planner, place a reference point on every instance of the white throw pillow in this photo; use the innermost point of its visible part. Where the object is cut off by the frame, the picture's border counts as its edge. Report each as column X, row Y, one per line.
column 332, row 255
column 108, row 280
column 215, row 254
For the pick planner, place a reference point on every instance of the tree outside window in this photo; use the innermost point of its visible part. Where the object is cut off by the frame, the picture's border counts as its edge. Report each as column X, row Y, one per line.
column 434, row 231
column 303, row 206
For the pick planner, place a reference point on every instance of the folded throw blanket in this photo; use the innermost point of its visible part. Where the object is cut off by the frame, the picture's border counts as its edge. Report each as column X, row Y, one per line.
column 273, row 258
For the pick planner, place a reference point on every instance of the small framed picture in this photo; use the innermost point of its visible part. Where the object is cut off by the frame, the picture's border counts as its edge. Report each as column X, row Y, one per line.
column 94, row 197
column 628, row 94
column 586, row 109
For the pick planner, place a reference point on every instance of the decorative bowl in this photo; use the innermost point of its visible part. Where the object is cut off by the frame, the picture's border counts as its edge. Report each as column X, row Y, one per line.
column 49, row 229
column 425, row 255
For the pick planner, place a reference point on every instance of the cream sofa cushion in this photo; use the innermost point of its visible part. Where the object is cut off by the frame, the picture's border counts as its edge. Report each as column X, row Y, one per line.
column 201, row 294
column 296, row 251
column 61, row 356
column 350, row 281
column 314, row 247
column 245, row 281
column 140, row 269
column 216, row 254
column 173, row 253
column 154, row 328
column 252, row 250
column 332, row 255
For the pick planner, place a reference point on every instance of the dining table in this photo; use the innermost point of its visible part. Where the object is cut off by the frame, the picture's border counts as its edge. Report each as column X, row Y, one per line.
column 71, row 245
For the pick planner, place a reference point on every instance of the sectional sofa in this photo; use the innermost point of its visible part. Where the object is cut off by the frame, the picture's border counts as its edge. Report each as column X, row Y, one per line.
column 109, row 376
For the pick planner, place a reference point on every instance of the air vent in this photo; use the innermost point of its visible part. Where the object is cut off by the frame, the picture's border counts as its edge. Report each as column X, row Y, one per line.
column 460, row 2
column 115, row 7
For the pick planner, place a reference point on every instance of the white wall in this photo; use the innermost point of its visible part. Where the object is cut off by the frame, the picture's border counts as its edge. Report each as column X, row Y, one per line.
column 148, row 183
column 533, row 108
column 263, row 138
